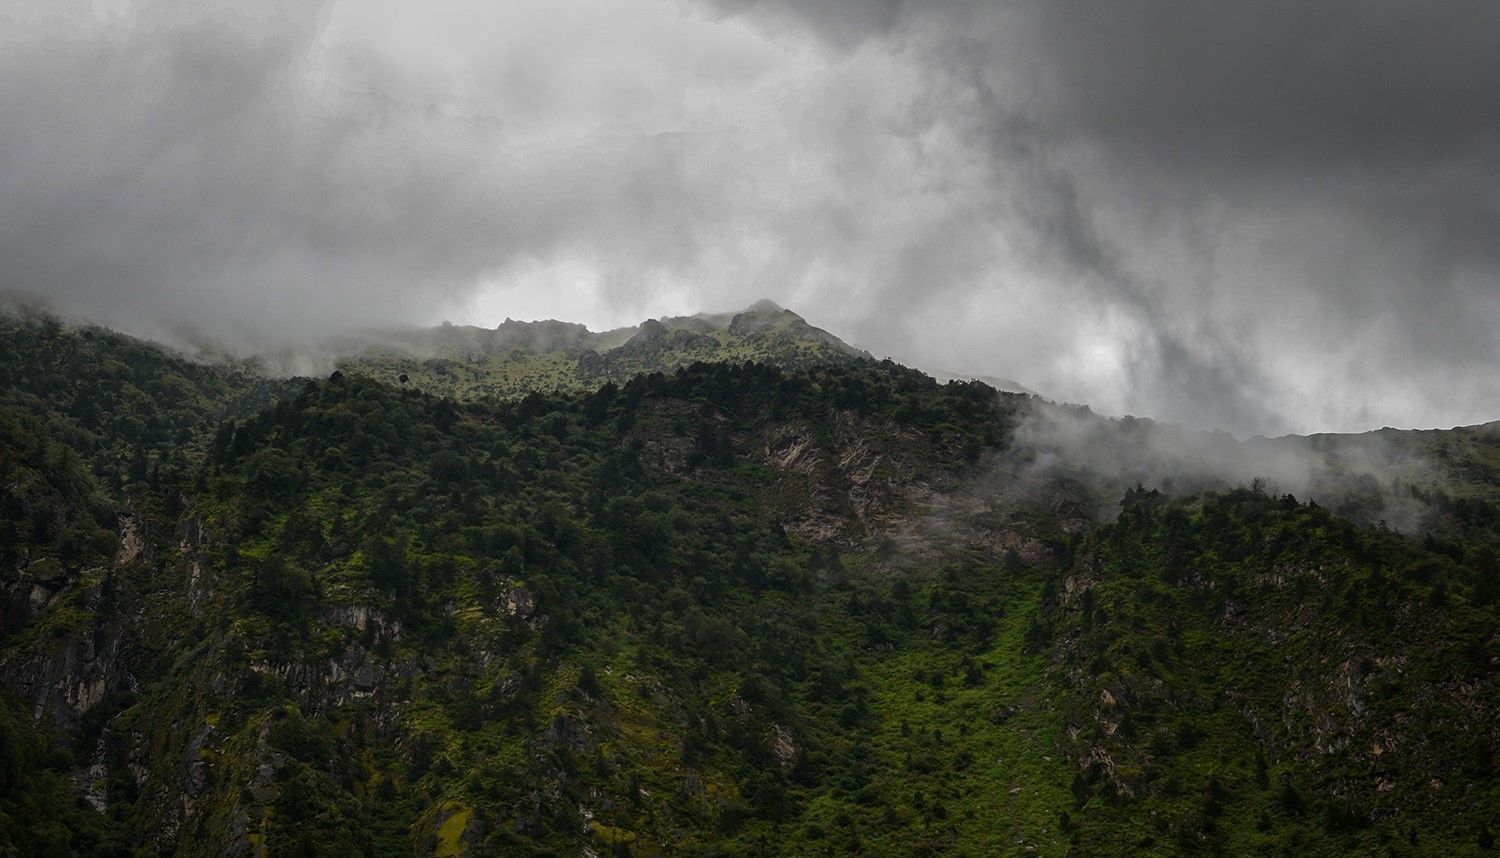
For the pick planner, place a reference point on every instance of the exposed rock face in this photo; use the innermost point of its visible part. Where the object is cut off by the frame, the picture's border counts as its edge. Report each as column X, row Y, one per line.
column 649, row 330
column 131, row 544
column 353, row 675
column 519, row 603
column 38, row 584
column 854, row 492
column 189, row 550
column 91, row 779
column 869, row 484
column 538, row 336
column 363, row 618
column 195, row 774
column 67, row 671
column 61, row 678
column 783, row 748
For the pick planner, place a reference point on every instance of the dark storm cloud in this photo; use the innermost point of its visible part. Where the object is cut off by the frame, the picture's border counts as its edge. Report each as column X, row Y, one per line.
column 1279, row 85
column 1294, row 202
column 1262, row 216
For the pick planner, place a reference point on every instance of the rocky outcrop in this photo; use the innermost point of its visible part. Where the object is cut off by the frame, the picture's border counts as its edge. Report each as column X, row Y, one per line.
column 37, row 585
column 783, row 747
column 132, row 545
column 352, row 676
column 537, row 337
column 68, row 671
column 363, row 619
column 519, row 603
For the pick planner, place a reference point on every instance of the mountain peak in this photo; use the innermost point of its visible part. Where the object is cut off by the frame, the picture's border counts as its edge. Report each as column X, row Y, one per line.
column 765, row 305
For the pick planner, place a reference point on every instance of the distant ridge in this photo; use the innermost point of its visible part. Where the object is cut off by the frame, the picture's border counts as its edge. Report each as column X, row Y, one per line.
column 1004, row 385
column 517, row 357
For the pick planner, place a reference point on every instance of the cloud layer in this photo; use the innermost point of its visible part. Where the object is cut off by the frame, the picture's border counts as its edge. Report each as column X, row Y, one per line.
column 1261, row 216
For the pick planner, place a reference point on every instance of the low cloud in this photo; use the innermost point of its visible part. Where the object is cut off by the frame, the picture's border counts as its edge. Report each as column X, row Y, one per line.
column 1069, row 451
column 1262, row 217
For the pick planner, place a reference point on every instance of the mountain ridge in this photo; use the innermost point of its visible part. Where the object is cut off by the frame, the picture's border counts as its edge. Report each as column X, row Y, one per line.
column 735, row 607
column 516, row 357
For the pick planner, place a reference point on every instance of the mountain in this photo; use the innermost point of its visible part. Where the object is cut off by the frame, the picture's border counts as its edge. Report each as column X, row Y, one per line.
column 517, row 358
column 797, row 606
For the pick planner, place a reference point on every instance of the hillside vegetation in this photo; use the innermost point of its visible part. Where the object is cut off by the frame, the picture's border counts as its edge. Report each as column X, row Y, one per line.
column 803, row 604
column 518, row 358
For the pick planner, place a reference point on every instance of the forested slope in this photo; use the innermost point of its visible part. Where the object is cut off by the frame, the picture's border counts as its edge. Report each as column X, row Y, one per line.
column 737, row 608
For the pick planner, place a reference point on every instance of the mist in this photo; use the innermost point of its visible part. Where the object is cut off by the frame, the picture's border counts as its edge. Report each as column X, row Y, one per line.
column 1263, row 218
column 1069, row 451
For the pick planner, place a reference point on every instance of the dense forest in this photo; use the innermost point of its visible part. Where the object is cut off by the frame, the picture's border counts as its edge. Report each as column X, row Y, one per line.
column 740, row 607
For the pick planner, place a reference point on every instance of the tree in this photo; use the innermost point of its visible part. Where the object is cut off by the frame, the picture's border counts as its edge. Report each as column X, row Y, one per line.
column 280, row 591
column 385, row 561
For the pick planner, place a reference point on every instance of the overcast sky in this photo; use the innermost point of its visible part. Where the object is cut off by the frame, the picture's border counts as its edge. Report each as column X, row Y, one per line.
column 1266, row 217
